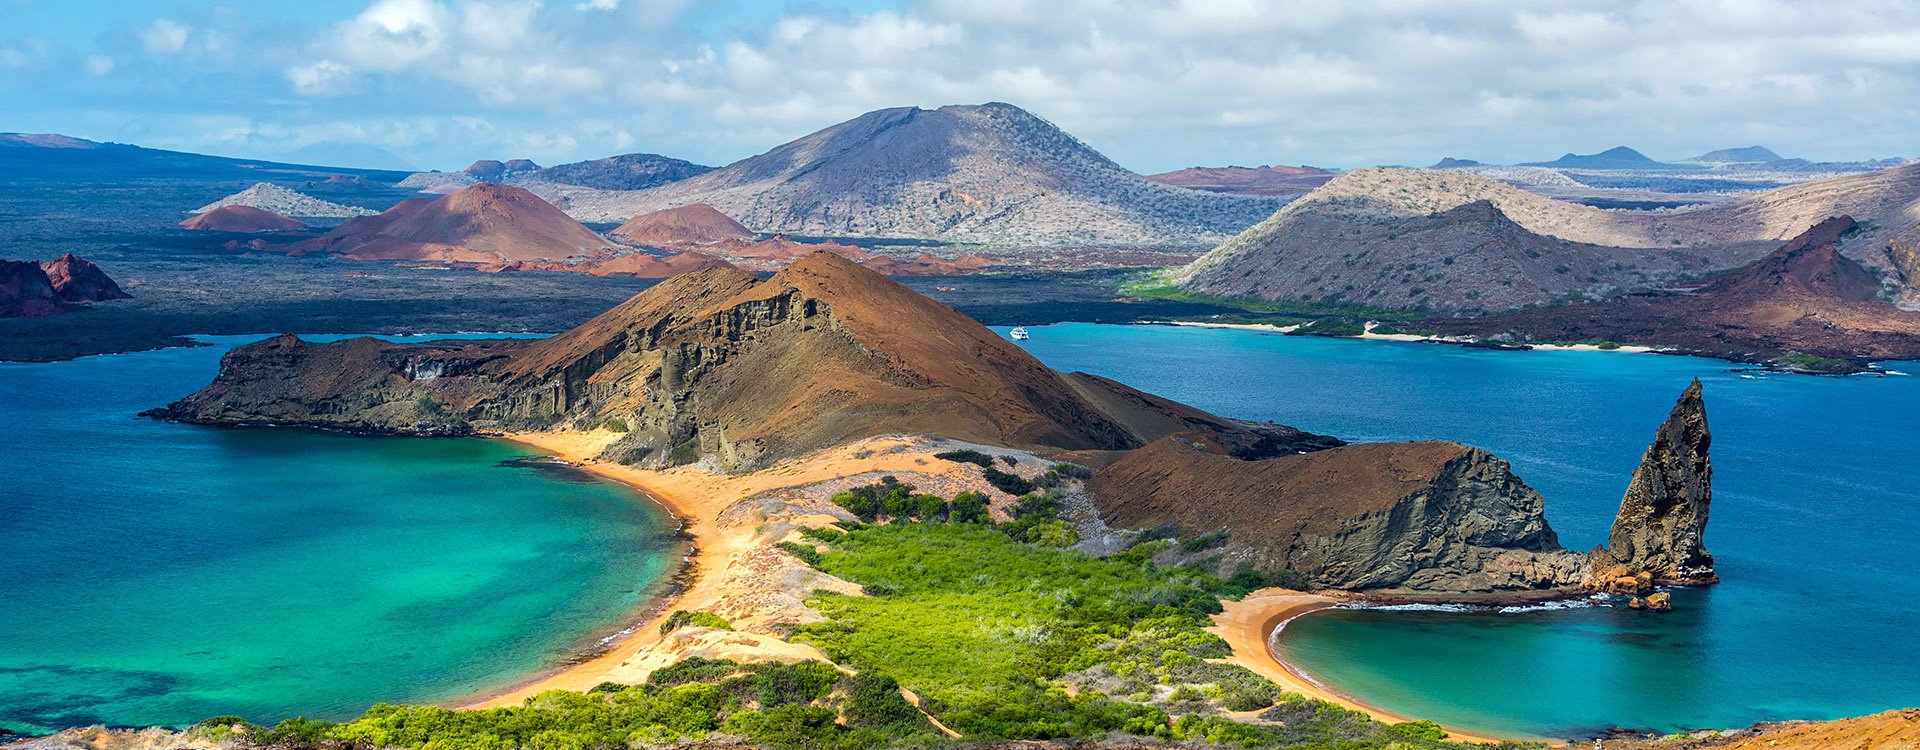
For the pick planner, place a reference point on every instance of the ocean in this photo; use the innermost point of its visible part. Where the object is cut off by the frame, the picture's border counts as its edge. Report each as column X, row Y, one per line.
column 158, row 573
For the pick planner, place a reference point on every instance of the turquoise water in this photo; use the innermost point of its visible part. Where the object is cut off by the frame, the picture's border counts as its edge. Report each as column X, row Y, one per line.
column 1816, row 512
column 156, row 573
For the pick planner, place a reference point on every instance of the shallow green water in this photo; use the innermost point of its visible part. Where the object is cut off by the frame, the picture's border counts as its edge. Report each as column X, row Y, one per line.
column 1815, row 516
column 157, row 573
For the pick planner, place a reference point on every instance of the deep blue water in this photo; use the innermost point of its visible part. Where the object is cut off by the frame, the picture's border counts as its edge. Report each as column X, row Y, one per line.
column 1814, row 524
column 157, row 573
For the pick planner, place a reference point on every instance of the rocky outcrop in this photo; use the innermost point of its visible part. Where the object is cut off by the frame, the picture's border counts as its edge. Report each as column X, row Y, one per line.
column 1657, row 537
column 1903, row 252
column 1432, row 519
column 713, row 366
column 76, row 279
column 31, row 290
column 25, row 291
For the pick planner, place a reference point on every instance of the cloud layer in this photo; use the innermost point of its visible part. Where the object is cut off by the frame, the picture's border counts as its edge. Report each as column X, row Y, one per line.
column 1156, row 84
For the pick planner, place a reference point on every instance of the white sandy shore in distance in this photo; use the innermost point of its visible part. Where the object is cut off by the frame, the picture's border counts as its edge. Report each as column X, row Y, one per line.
column 1370, row 335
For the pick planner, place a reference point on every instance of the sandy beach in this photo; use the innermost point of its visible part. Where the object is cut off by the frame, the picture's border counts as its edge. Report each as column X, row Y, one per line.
column 733, row 570
column 1246, row 625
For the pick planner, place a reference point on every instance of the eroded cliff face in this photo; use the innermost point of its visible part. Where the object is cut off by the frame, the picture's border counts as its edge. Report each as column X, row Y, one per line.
column 1430, row 519
column 1657, row 537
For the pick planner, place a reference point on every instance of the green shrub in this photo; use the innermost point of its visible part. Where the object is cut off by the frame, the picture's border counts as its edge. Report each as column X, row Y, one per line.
column 967, row 456
column 969, row 507
column 684, row 453
column 683, row 617
column 1012, row 484
column 615, row 424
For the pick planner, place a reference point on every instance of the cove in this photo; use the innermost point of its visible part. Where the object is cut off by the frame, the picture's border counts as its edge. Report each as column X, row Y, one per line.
column 1816, row 506
column 158, row 573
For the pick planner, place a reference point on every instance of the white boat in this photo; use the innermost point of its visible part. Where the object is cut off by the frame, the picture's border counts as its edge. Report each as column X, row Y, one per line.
column 1019, row 333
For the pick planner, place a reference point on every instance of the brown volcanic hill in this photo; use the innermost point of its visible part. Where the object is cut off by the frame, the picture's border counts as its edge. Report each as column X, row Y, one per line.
column 682, row 226
column 33, row 290
column 990, row 173
column 485, row 223
column 239, row 218
column 1277, row 179
column 76, row 279
column 715, row 366
column 1805, row 297
column 25, row 291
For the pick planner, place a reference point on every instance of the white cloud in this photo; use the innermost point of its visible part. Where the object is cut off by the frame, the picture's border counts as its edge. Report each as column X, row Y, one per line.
column 1156, row 84
column 97, row 65
column 165, row 36
column 319, row 78
column 393, row 34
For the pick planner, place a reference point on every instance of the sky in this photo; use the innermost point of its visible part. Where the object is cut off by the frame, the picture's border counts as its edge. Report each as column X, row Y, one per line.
column 1155, row 84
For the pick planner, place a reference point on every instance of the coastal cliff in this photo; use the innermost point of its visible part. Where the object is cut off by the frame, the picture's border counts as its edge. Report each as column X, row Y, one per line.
column 1431, row 520
column 1656, row 537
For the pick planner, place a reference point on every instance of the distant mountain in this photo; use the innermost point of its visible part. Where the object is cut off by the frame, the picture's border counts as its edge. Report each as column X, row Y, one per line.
column 1269, row 180
column 46, row 155
column 624, row 172
column 1432, row 239
column 270, row 197
column 485, row 223
column 483, row 170
column 989, row 173
column 241, row 218
column 1458, row 240
column 1618, row 157
column 1448, row 162
column 1747, row 155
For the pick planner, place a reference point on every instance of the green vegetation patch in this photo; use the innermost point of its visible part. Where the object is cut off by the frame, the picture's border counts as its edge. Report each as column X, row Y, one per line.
column 1815, row 363
column 683, row 617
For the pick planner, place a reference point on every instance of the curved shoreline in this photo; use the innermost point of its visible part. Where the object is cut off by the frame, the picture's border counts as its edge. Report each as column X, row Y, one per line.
column 583, row 672
column 1249, row 626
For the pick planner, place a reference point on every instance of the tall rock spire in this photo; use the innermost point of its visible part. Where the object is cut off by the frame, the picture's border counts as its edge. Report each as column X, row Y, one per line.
column 1656, row 537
